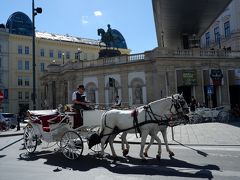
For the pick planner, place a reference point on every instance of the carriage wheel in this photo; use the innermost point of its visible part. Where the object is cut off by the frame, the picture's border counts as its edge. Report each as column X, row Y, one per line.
column 30, row 139
column 71, row 145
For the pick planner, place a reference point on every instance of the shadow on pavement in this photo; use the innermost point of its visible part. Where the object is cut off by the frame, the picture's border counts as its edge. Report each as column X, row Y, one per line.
column 128, row 165
column 11, row 144
column 234, row 123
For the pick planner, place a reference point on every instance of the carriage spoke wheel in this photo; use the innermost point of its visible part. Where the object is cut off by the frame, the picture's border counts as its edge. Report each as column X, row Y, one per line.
column 71, row 145
column 30, row 139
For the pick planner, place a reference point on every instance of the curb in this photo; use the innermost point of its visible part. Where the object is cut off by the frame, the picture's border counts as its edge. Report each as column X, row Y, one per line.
column 13, row 134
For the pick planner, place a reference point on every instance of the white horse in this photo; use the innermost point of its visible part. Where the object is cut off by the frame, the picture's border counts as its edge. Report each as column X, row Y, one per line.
column 148, row 118
column 162, row 128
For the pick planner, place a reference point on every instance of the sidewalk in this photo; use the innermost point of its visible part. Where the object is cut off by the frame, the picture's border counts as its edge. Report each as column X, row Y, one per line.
column 13, row 132
column 215, row 134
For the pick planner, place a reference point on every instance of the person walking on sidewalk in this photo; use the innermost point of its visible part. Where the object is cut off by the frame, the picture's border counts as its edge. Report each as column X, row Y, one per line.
column 193, row 104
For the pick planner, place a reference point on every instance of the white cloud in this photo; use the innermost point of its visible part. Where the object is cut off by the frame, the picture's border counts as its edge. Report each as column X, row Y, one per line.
column 84, row 20
column 97, row 13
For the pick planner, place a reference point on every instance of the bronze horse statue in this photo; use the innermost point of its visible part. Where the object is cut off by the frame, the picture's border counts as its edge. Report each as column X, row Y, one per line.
column 108, row 37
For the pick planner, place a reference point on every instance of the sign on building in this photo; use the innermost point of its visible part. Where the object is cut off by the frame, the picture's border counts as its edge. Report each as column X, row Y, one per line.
column 189, row 78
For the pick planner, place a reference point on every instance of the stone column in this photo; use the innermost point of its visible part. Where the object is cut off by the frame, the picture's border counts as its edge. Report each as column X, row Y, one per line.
column 225, row 98
column 124, row 88
column 130, row 96
column 199, row 93
column 101, row 89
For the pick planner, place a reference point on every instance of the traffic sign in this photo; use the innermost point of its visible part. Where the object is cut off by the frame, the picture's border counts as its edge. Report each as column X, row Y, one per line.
column 210, row 90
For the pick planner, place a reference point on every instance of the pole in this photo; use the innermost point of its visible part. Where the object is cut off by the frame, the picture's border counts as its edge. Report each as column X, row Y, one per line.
column 33, row 57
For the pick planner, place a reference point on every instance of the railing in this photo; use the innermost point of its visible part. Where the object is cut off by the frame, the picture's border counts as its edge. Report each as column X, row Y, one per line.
column 205, row 53
column 192, row 53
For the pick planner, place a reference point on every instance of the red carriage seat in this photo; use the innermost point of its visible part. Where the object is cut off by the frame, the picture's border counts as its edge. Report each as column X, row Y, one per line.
column 49, row 119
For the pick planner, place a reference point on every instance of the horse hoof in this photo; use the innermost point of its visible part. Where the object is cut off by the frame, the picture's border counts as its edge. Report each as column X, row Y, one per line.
column 145, row 154
column 171, row 154
column 125, row 152
column 158, row 157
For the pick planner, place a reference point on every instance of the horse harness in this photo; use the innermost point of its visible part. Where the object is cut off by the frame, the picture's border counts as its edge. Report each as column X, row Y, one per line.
column 154, row 118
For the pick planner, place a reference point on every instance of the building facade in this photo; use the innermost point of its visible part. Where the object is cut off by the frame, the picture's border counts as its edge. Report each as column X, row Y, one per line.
column 142, row 78
column 224, row 33
column 16, row 60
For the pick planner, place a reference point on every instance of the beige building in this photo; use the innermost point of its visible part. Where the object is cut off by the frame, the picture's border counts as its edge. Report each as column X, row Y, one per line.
column 142, row 78
column 16, row 60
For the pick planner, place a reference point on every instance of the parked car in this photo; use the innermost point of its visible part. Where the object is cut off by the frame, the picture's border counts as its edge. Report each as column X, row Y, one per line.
column 10, row 119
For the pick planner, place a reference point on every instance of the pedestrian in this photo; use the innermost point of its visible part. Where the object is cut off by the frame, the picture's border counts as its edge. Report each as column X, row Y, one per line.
column 117, row 102
column 193, row 104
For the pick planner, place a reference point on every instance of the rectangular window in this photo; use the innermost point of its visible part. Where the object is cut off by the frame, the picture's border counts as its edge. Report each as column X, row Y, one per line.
column 42, row 52
column 27, row 95
column 19, row 95
column 20, row 65
column 20, row 81
column 27, row 65
column 216, row 35
column 42, row 67
column 207, row 36
column 59, row 54
column 76, row 55
column 68, row 55
column 51, row 54
column 227, row 29
column 20, row 49
column 27, row 81
column 26, row 49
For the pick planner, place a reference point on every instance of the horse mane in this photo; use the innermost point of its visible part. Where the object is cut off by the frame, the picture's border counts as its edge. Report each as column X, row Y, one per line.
column 153, row 102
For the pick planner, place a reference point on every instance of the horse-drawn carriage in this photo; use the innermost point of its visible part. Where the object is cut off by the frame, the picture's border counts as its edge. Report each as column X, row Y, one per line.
column 62, row 128
column 202, row 115
column 68, row 133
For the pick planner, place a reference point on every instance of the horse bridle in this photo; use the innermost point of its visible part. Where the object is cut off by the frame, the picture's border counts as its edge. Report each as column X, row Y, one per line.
column 177, row 104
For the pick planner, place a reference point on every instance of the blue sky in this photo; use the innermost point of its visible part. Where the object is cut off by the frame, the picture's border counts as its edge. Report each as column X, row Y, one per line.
column 133, row 18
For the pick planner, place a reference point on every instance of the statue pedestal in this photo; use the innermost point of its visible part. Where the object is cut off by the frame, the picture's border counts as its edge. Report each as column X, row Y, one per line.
column 109, row 53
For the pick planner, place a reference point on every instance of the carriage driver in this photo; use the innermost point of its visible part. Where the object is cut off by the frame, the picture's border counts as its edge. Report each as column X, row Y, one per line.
column 79, row 99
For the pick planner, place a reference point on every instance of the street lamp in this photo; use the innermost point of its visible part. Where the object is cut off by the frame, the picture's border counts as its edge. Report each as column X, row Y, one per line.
column 34, row 13
column 63, row 57
column 79, row 53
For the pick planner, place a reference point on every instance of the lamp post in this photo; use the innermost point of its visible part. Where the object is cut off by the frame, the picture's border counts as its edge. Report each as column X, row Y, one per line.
column 79, row 59
column 63, row 57
column 34, row 13
column 79, row 52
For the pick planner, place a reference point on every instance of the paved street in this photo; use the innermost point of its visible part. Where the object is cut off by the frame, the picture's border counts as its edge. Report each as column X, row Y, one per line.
column 214, row 155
